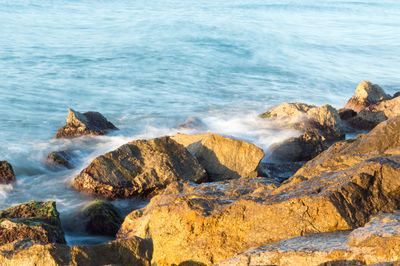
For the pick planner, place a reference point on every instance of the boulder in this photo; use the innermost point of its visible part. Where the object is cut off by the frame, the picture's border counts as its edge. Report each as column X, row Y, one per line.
column 134, row 251
column 58, row 160
column 139, row 168
column 98, row 217
column 6, row 173
column 302, row 148
column 89, row 123
column 366, row 94
column 222, row 158
column 346, row 114
column 377, row 242
column 34, row 220
column 324, row 121
column 338, row 190
column 371, row 116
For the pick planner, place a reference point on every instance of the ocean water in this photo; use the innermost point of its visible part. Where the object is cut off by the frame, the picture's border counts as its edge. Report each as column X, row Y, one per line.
column 149, row 65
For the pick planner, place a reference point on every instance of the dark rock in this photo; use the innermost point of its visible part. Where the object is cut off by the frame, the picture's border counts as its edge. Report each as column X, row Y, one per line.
column 192, row 122
column 58, row 160
column 346, row 114
column 302, row 148
column 34, row 220
column 89, row 123
column 279, row 171
column 6, row 173
column 397, row 94
column 98, row 217
column 139, row 168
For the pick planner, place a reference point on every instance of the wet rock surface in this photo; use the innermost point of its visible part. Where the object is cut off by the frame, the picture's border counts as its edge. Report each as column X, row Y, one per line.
column 338, row 190
column 133, row 251
column 58, row 160
column 139, row 168
column 89, row 123
column 6, row 173
column 376, row 242
column 222, row 158
column 34, row 220
column 98, row 217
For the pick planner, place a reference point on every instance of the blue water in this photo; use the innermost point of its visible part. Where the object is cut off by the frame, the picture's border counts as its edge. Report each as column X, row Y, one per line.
column 148, row 65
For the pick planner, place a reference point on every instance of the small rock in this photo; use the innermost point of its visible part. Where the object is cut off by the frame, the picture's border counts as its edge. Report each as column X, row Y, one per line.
column 397, row 94
column 279, row 171
column 222, row 158
column 192, row 122
column 366, row 94
column 98, row 217
column 6, row 173
column 89, row 123
column 34, row 220
column 58, row 160
column 139, row 168
column 346, row 114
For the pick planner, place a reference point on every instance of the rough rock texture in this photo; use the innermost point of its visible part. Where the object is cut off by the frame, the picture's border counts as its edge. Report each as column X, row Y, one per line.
column 33, row 220
column 6, row 173
column 223, row 158
column 302, row 148
column 371, row 116
column 58, row 160
column 139, row 168
column 377, row 242
column 346, row 114
column 366, row 94
column 97, row 217
column 324, row 121
column 89, row 123
column 133, row 251
column 338, row 190
column 279, row 171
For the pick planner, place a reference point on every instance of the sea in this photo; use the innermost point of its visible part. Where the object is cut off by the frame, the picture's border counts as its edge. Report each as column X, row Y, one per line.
column 149, row 66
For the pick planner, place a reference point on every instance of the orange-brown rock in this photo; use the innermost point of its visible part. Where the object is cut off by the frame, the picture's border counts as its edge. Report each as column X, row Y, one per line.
column 338, row 190
column 221, row 157
column 89, row 123
column 6, row 173
column 139, row 168
column 366, row 94
column 378, row 242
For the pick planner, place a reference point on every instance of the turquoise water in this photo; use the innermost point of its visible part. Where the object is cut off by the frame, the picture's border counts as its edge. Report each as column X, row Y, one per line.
column 149, row 65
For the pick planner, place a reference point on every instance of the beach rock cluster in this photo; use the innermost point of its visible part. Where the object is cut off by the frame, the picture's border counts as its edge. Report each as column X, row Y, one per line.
column 6, row 173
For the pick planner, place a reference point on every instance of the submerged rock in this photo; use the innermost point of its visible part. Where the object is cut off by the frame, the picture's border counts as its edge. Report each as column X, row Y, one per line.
column 192, row 122
column 139, row 168
column 6, row 173
column 377, row 242
column 134, row 251
column 97, row 217
column 366, row 94
column 89, row 123
column 324, row 121
column 222, row 158
column 34, row 220
column 338, row 190
column 58, row 160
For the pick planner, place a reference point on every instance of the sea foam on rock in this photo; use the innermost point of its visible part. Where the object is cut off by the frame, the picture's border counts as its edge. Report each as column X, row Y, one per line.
column 222, row 158
column 338, row 190
column 89, row 123
column 139, row 168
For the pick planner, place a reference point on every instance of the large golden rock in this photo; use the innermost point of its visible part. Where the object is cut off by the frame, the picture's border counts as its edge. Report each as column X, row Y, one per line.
column 377, row 242
column 139, row 168
column 221, row 157
column 338, row 190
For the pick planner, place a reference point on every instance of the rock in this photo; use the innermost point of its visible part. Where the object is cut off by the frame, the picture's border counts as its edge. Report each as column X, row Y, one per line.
column 89, row 123
column 377, row 242
column 324, row 121
column 139, row 168
column 133, row 251
column 397, row 94
column 97, row 217
column 57, row 160
column 346, row 114
column 302, row 148
column 222, row 158
column 6, row 173
column 366, row 94
column 192, row 122
column 338, row 190
column 371, row 116
column 34, row 220
column 279, row 171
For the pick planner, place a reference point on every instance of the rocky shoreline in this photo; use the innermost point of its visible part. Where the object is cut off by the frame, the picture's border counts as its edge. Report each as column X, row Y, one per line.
column 317, row 199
